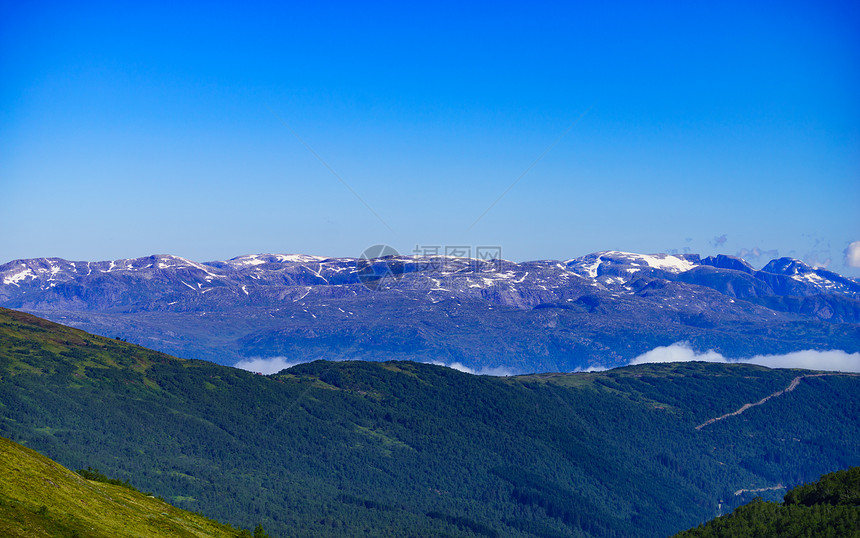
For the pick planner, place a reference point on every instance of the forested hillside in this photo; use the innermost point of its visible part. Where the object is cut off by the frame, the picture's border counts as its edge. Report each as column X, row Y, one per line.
column 827, row 507
column 401, row 448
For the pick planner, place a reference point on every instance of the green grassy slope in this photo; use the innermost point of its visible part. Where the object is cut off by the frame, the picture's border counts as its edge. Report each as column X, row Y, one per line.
column 400, row 448
column 39, row 497
column 829, row 507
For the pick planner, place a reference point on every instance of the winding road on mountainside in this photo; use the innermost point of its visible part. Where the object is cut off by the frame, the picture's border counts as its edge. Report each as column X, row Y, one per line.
column 791, row 386
column 759, row 490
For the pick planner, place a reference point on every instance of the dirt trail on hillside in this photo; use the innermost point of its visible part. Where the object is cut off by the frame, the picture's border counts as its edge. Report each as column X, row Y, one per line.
column 759, row 490
column 791, row 386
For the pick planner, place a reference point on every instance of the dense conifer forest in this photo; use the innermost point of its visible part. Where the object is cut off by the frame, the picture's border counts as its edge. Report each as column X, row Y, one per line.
column 403, row 448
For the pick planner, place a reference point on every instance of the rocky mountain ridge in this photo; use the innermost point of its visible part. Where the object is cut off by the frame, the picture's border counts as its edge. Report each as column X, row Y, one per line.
column 600, row 309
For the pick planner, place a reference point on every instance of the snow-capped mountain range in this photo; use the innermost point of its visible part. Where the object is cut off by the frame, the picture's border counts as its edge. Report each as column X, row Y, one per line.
column 597, row 310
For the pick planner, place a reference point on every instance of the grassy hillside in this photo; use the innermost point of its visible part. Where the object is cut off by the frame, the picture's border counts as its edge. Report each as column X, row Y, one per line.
column 827, row 507
column 401, row 448
column 39, row 497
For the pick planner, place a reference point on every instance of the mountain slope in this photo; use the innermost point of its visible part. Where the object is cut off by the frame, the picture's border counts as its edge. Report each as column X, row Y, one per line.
column 827, row 507
column 39, row 497
column 395, row 448
column 603, row 309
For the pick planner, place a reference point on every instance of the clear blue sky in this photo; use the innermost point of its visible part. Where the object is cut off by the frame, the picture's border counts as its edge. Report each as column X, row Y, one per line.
column 715, row 127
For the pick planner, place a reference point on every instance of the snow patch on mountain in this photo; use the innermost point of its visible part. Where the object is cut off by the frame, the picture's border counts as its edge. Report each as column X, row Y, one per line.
column 598, row 263
column 666, row 262
column 246, row 261
column 299, row 258
column 252, row 260
column 15, row 278
column 522, row 285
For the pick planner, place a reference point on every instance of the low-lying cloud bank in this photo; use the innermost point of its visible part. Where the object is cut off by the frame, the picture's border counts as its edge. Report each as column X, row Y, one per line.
column 834, row 360
column 272, row 365
column 498, row 371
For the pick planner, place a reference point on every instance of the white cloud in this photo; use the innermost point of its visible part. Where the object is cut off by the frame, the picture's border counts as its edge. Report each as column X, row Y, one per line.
column 832, row 360
column 852, row 254
column 677, row 352
column 756, row 254
column 274, row 365
column 457, row 366
column 590, row 369
column 498, row 371
column 268, row 366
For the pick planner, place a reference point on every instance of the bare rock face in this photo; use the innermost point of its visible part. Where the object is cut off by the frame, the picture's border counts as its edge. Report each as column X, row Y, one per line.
column 598, row 310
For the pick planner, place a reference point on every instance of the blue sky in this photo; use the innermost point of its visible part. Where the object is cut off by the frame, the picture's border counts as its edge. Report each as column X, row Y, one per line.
column 129, row 130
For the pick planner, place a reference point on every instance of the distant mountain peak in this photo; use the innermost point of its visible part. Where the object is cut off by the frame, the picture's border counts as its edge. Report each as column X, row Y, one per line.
column 722, row 261
column 259, row 259
column 598, row 263
column 787, row 266
column 600, row 309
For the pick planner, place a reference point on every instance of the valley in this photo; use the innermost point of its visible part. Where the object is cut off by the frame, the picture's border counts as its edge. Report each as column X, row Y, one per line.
column 398, row 447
